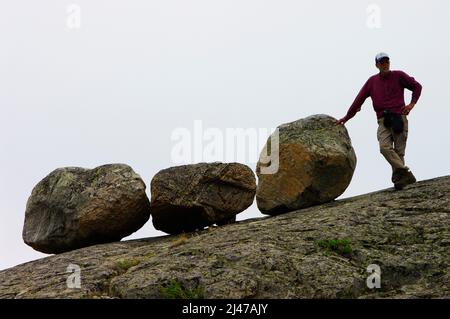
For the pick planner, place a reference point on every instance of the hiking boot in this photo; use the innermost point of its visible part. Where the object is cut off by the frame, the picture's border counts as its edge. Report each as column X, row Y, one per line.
column 396, row 174
column 404, row 177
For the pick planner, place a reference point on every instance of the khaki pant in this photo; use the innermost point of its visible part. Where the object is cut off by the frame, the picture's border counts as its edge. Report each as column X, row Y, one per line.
column 393, row 145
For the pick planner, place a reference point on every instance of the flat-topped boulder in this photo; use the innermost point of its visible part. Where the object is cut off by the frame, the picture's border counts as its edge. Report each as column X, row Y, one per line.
column 190, row 197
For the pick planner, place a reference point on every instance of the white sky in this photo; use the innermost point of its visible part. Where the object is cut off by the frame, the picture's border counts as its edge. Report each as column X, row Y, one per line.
column 114, row 90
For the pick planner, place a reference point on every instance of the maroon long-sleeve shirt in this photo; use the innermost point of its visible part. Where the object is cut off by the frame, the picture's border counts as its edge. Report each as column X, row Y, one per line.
column 387, row 92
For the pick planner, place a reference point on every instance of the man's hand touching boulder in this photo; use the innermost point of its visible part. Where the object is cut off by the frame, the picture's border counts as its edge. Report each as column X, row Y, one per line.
column 342, row 121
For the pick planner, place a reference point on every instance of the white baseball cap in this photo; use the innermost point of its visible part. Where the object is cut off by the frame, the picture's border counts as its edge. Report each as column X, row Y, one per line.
column 380, row 56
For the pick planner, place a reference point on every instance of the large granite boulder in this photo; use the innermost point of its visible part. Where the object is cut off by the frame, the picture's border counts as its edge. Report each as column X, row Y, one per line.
column 75, row 207
column 190, row 197
column 316, row 162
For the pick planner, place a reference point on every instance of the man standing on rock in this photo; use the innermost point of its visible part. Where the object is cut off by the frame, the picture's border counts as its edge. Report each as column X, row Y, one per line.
column 387, row 92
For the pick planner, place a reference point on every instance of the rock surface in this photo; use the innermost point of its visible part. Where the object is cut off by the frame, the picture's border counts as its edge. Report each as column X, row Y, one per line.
column 75, row 207
column 316, row 165
column 405, row 232
column 189, row 197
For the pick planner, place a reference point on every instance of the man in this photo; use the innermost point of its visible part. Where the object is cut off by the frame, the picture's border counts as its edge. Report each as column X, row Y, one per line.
column 387, row 92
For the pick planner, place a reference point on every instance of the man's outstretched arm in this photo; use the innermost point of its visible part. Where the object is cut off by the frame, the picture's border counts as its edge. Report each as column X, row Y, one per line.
column 363, row 94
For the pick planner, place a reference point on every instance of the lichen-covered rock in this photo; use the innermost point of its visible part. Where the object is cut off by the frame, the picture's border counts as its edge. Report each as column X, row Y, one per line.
column 189, row 197
column 316, row 165
column 406, row 233
column 74, row 207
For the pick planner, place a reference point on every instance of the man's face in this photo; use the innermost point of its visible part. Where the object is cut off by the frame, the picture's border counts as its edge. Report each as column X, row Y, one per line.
column 383, row 65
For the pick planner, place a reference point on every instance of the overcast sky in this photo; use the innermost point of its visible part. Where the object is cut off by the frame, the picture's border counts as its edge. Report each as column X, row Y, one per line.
column 110, row 81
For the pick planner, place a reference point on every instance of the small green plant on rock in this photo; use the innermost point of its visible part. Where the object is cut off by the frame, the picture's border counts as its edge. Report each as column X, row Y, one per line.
column 125, row 264
column 339, row 246
column 176, row 291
